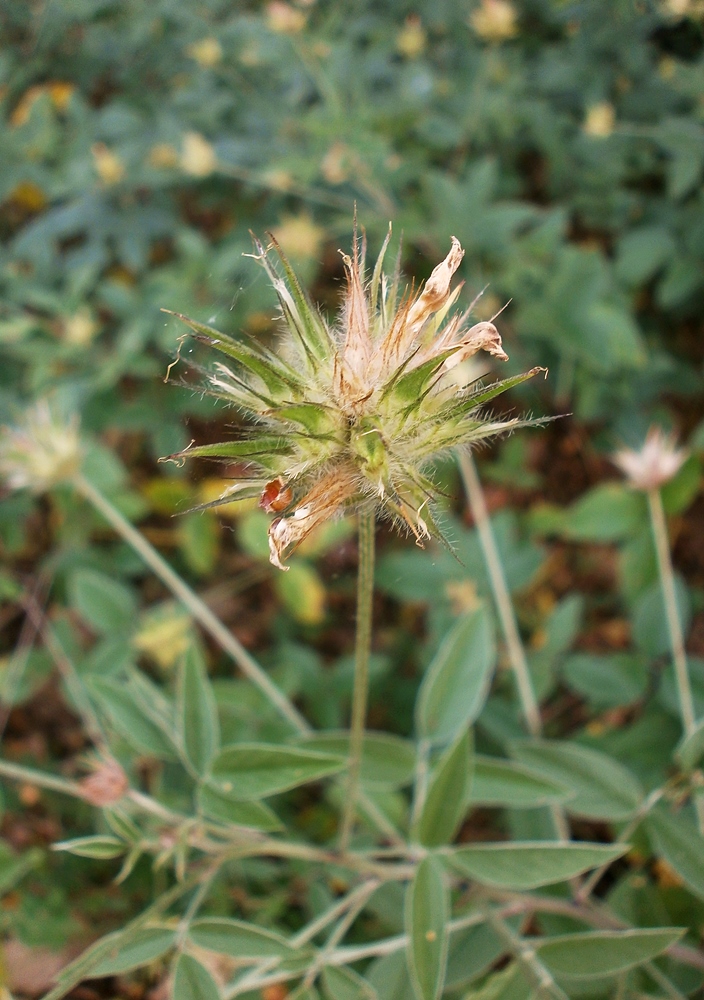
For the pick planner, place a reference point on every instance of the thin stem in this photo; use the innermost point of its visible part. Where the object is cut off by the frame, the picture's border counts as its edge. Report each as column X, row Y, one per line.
column 365, row 593
column 17, row 772
column 197, row 607
column 674, row 625
column 340, row 931
column 522, row 950
column 509, row 625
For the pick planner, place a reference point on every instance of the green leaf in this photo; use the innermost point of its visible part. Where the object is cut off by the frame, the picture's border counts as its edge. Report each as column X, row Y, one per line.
column 92, row 847
column 255, row 770
column 103, row 603
column 505, row 783
column 690, row 749
column 215, row 804
column 192, row 981
column 528, row 865
column 197, row 711
column 448, row 790
column 642, row 252
column 14, row 867
column 603, row 788
column 456, row 683
column 124, row 955
column 594, row 954
column 127, row 714
column 388, row 761
column 473, row 950
column 390, row 977
column 610, row 680
column 649, row 622
column 607, row 513
column 681, row 845
column 346, row 984
column 510, row 983
column 427, row 914
column 239, row 939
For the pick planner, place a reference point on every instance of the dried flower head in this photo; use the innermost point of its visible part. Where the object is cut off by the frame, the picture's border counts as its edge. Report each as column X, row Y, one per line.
column 656, row 463
column 354, row 413
column 41, row 451
column 106, row 785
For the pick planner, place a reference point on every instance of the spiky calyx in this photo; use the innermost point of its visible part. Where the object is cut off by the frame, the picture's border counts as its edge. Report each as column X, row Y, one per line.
column 354, row 413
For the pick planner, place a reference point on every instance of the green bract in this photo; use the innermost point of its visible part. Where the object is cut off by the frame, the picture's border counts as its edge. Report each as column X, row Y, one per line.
column 352, row 414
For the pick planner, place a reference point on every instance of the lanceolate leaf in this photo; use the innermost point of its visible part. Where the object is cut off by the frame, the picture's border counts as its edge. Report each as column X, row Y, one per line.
column 427, row 914
column 197, row 711
column 446, row 799
column 128, row 715
column 603, row 788
column 528, row 865
column 388, row 761
column 681, row 845
column 472, row 400
column 99, row 848
column 602, row 953
column 150, row 944
column 456, row 683
column 216, row 804
column 504, row 783
column 192, row 981
column 346, row 984
column 238, row 939
column 255, row 770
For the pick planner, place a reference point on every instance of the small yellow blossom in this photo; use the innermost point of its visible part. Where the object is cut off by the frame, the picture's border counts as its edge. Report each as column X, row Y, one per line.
column 207, row 52
column 335, row 164
column 600, row 120
column 299, row 236
column 494, row 20
column 197, row 155
column 58, row 91
column 29, row 196
column 656, row 463
column 108, row 164
column 163, row 156
column 80, row 328
column 411, row 40
column 279, row 180
column 284, row 19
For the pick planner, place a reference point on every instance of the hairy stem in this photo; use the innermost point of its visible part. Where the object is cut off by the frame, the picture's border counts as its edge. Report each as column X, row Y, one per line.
column 509, row 625
column 674, row 625
column 365, row 593
column 197, row 607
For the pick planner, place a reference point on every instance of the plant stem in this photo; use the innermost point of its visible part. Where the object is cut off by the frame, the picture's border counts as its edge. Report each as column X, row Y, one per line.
column 17, row 772
column 507, row 616
column 363, row 642
column 197, row 607
column 522, row 950
column 674, row 625
column 509, row 626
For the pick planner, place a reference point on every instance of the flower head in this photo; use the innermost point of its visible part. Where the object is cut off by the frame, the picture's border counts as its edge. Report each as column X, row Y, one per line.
column 41, row 451
column 353, row 413
column 656, row 463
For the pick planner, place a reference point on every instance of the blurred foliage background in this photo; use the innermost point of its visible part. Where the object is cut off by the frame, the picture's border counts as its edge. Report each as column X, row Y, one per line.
column 561, row 141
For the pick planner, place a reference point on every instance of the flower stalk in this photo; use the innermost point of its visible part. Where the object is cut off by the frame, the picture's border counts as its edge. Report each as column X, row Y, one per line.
column 360, row 693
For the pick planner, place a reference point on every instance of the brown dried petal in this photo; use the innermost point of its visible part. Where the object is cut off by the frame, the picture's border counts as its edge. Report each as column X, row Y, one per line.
column 322, row 502
column 106, row 785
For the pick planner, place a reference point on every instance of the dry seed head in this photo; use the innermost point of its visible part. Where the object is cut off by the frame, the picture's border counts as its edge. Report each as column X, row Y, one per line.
column 352, row 414
column 656, row 463
column 41, row 451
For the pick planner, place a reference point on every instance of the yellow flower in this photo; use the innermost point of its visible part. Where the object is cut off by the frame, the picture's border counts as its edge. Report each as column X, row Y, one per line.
column 207, row 52
column 284, row 19
column 600, row 120
column 197, row 155
column 162, row 156
column 300, row 237
column 411, row 40
column 494, row 20
column 108, row 164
